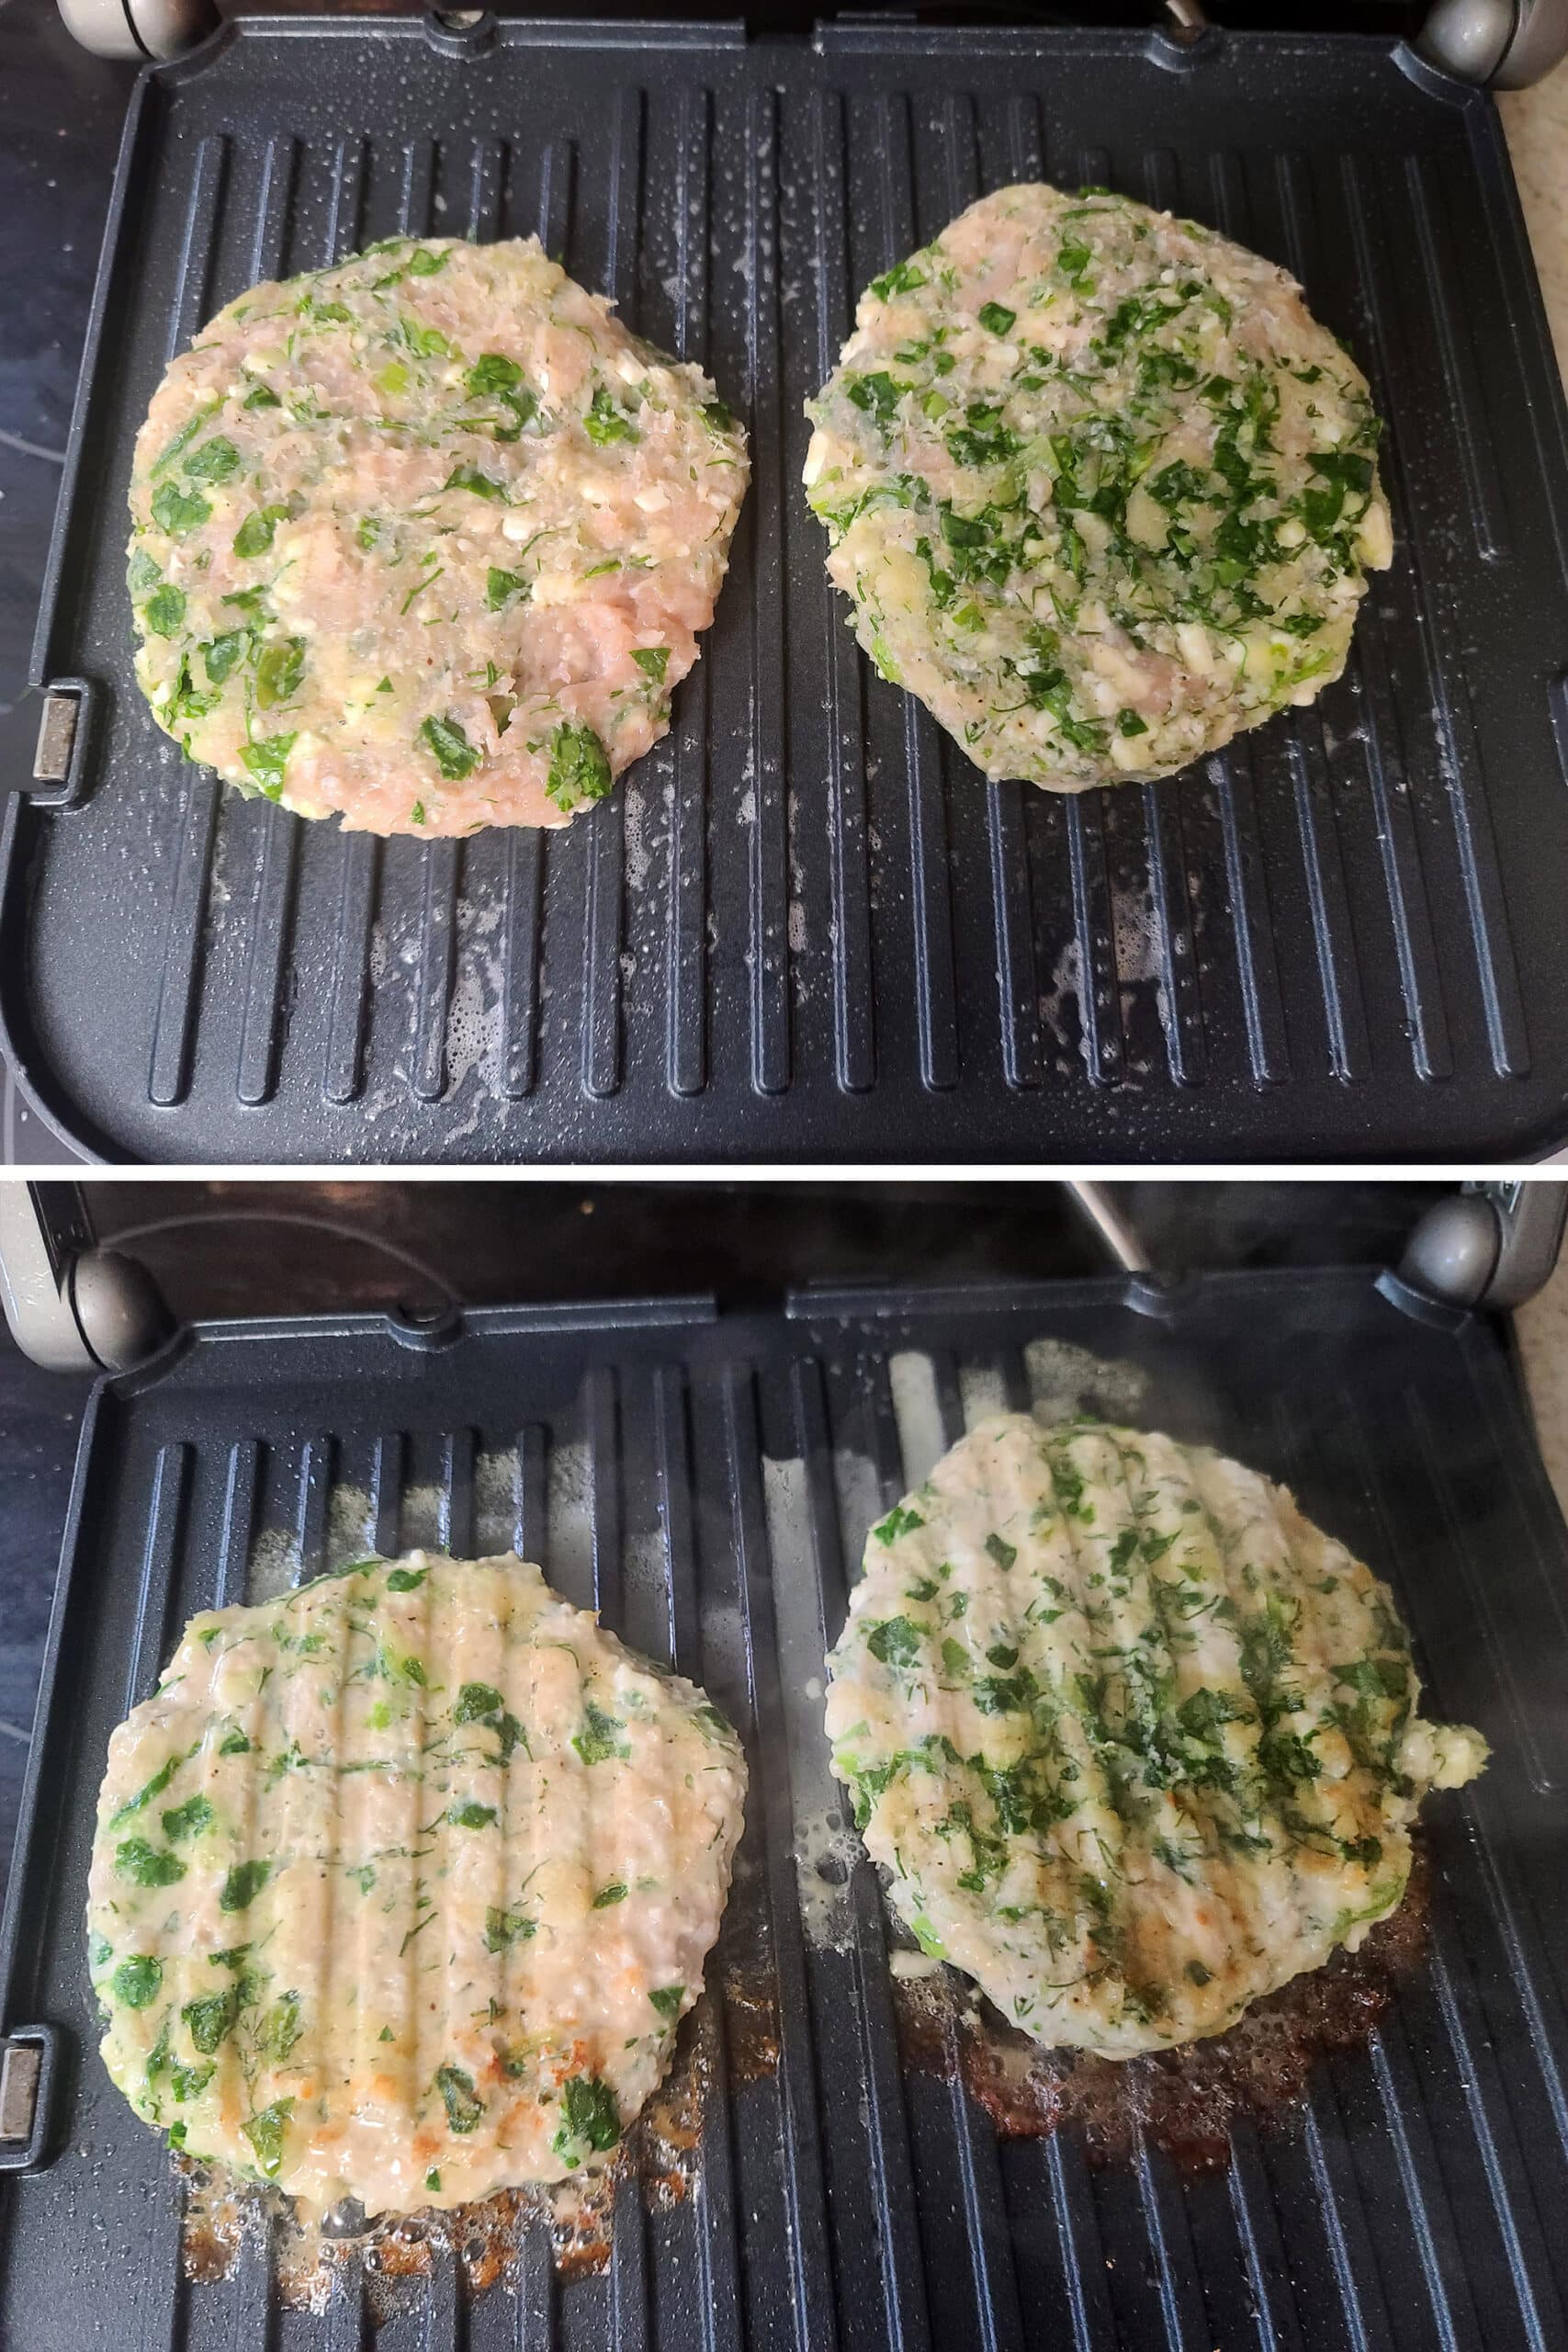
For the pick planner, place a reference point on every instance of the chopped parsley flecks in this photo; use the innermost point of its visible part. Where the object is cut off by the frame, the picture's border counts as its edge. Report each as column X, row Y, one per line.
column 243, row 1885
column 505, row 1928
column 591, row 2120
column 147, row 1865
column 579, row 766
column 1158, row 1688
column 266, row 2132
column 449, row 748
column 1156, row 528
column 465, row 2108
column 601, row 1737
column 136, row 1981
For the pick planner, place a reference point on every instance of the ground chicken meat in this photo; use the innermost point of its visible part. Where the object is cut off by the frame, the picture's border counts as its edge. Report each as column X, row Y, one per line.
column 426, row 538
column 1136, row 1741
column 403, row 1884
column 1101, row 489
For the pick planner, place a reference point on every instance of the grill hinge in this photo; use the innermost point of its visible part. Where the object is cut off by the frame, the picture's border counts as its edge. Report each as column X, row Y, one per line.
column 29, row 2071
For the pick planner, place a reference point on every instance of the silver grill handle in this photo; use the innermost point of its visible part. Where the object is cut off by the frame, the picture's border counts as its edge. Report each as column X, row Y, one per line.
column 71, row 1306
column 1490, row 1245
column 138, row 28
column 1508, row 44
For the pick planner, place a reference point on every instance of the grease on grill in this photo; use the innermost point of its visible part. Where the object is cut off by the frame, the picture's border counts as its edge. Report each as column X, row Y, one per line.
column 1183, row 2101
column 660, row 2151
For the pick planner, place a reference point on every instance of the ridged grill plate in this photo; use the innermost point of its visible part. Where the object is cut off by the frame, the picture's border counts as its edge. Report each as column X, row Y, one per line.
column 709, row 1480
column 805, row 927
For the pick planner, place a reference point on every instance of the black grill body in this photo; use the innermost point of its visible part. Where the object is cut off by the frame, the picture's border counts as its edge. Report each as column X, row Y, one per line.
column 804, row 928
column 726, row 1471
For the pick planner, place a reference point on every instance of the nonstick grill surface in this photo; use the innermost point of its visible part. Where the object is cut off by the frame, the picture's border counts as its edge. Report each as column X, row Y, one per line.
column 708, row 1480
column 804, row 928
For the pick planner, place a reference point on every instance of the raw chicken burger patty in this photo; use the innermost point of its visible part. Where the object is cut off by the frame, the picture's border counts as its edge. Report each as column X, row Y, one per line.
column 426, row 538
column 1136, row 1741
column 403, row 1881
column 1101, row 490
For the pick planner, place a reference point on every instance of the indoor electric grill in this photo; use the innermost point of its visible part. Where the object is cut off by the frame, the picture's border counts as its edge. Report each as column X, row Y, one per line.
column 707, row 1480
column 804, row 928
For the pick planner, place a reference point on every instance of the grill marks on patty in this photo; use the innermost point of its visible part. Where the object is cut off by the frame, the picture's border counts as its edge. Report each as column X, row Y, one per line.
column 402, row 1882
column 1138, row 1741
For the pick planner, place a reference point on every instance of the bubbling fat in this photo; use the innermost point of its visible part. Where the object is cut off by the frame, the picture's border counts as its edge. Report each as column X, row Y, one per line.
column 426, row 538
column 1136, row 1741
column 1101, row 491
column 403, row 1884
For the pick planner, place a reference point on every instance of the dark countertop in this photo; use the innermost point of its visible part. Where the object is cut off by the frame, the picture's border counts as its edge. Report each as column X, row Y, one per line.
column 41, row 1413
column 60, row 118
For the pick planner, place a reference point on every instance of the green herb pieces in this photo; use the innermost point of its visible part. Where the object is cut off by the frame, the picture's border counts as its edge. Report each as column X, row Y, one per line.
column 150, row 1789
column 255, row 534
column 465, row 2108
column 243, row 1885
column 491, row 374
column 579, row 766
column 605, row 422
column 669, row 2000
column 179, row 511
column 902, row 278
column 136, row 1981
column 653, row 660
column 505, row 1928
column 599, row 1739
column 470, row 1814
column 449, row 748
column 894, row 1641
column 165, row 611
column 467, row 477
column 900, row 1520
column 279, row 669
column 502, row 586
column 266, row 2134
column 475, row 1701
column 608, row 1895
column 220, row 656
column 213, row 462
column 591, row 2120
column 189, row 2082
column 147, row 1865
column 996, row 317
column 266, row 762
column 281, row 2027
column 406, row 1579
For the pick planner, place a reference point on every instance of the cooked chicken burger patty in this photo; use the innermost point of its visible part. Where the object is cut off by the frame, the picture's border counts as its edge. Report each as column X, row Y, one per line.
column 403, row 1884
column 1101, row 489
column 1136, row 1741
column 426, row 538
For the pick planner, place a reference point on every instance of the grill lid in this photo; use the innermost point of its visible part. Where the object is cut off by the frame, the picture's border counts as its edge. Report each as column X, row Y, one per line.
column 709, row 1482
column 803, row 928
